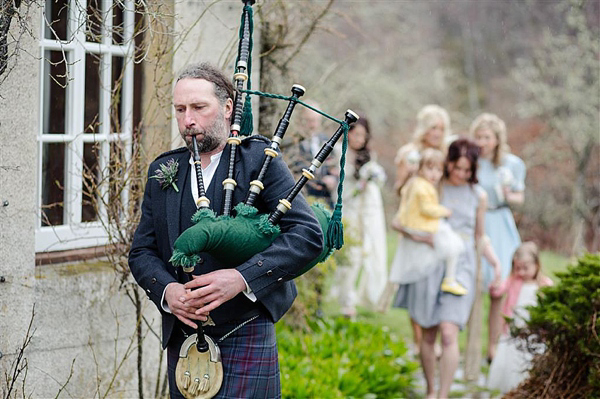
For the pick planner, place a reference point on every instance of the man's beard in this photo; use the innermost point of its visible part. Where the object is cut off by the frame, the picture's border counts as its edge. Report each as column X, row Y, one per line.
column 212, row 136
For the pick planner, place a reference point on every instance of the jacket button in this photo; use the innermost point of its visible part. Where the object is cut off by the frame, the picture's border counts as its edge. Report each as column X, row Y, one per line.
column 260, row 263
column 270, row 273
column 279, row 279
column 153, row 281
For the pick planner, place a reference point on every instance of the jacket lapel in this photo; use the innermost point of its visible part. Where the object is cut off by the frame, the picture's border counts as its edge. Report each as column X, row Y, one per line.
column 173, row 200
column 215, row 190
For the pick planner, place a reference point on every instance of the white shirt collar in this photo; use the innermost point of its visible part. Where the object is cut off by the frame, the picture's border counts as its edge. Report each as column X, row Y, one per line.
column 207, row 173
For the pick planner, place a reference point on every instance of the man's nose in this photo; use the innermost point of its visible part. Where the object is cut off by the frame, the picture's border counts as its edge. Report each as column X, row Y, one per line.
column 189, row 119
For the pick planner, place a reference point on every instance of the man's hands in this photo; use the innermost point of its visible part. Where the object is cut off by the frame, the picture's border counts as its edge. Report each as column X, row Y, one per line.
column 195, row 299
column 175, row 297
column 207, row 292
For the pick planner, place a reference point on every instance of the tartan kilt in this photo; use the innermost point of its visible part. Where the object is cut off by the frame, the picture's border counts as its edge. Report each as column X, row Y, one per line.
column 249, row 355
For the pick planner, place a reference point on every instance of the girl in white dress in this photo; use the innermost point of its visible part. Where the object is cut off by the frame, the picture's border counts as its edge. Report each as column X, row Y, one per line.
column 512, row 361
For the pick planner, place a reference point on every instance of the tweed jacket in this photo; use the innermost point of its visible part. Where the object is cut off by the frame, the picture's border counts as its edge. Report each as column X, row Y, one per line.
column 269, row 273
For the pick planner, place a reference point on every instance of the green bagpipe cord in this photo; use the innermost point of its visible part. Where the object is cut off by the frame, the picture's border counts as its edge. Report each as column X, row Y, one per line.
column 234, row 240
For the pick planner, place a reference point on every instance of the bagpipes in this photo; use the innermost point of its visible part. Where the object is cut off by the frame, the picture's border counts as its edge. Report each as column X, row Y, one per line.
column 199, row 371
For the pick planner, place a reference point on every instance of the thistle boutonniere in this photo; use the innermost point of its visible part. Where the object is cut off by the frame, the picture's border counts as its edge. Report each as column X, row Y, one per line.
column 167, row 174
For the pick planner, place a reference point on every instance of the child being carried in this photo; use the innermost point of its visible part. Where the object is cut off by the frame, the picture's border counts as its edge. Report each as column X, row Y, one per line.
column 421, row 215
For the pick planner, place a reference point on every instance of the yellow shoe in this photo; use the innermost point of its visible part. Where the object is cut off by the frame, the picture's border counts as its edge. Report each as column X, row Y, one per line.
column 453, row 287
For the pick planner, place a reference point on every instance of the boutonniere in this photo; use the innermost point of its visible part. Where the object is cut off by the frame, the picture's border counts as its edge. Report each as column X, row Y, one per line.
column 167, row 174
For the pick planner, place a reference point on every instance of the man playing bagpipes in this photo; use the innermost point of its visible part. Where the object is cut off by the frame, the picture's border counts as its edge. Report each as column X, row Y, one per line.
column 238, row 304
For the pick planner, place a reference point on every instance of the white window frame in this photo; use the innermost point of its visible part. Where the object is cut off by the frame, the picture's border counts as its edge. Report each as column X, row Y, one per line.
column 74, row 233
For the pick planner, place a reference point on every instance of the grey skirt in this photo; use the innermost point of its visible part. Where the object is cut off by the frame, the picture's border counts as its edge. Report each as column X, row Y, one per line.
column 428, row 306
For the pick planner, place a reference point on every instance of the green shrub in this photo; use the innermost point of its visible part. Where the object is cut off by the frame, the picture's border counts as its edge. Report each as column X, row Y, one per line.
column 565, row 320
column 343, row 359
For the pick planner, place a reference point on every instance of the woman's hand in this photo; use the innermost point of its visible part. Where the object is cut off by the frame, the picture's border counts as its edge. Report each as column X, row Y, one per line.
column 497, row 274
column 426, row 238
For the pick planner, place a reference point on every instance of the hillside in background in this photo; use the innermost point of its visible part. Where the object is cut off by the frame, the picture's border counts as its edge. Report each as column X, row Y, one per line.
column 533, row 63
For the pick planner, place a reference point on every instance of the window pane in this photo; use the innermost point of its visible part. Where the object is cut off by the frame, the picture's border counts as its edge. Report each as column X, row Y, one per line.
column 92, row 93
column 91, row 182
column 55, row 93
column 118, row 11
column 57, row 17
column 116, row 112
column 53, row 183
column 94, row 21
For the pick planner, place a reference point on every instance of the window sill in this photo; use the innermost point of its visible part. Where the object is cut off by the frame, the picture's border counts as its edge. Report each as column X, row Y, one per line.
column 70, row 255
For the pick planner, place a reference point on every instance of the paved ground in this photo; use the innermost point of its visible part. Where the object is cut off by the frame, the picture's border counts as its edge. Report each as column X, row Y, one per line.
column 459, row 387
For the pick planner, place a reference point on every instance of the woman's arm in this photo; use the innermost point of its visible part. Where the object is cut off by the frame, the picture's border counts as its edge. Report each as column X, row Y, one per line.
column 405, row 168
column 514, row 193
column 425, row 238
column 486, row 248
column 513, row 197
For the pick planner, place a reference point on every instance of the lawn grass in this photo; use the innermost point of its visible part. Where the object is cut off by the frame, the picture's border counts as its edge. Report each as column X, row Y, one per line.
column 397, row 321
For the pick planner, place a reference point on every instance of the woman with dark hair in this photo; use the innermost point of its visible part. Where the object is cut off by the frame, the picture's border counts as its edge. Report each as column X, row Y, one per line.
column 364, row 225
column 437, row 311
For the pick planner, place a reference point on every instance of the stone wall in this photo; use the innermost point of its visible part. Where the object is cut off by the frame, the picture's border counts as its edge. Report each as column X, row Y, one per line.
column 82, row 338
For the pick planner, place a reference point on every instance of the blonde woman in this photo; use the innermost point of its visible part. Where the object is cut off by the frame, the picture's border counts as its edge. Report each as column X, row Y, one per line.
column 502, row 176
column 432, row 130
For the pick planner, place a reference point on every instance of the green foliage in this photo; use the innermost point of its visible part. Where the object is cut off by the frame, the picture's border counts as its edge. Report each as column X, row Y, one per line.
column 344, row 359
column 312, row 287
column 311, row 292
column 565, row 320
column 567, row 310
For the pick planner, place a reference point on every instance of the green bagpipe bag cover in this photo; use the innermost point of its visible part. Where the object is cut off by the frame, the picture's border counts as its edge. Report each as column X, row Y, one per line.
column 234, row 240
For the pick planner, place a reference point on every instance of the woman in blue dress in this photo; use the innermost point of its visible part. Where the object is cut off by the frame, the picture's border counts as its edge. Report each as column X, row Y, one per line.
column 502, row 176
column 437, row 311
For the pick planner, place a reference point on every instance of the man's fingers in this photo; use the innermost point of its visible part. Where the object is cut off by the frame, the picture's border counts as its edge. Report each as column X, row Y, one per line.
column 209, row 307
column 186, row 321
column 197, row 281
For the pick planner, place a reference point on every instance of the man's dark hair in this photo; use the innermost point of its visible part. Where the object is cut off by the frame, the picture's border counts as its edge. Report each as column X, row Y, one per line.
column 223, row 86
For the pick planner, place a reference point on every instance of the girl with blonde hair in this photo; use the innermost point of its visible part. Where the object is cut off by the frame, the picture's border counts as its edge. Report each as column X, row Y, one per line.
column 510, row 366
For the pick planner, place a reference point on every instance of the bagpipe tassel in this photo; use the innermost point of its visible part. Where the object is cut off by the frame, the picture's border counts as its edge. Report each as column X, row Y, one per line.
column 247, row 125
column 205, row 383
column 194, row 387
column 186, row 380
column 335, row 230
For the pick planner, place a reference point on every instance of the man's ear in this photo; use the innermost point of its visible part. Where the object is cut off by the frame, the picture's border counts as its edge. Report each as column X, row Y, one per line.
column 228, row 108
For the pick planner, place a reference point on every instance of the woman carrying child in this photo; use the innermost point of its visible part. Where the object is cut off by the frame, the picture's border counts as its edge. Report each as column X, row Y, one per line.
column 433, row 309
column 421, row 214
